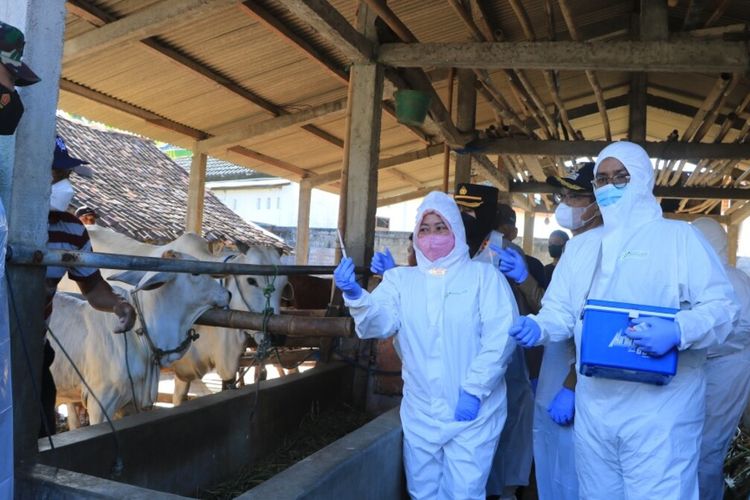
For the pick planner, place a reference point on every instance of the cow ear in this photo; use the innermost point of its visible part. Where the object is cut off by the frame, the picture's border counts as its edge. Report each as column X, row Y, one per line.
column 130, row 277
column 154, row 281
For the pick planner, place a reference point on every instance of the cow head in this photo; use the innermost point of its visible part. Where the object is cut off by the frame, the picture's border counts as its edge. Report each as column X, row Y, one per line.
column 169, row 303
column 248, row 290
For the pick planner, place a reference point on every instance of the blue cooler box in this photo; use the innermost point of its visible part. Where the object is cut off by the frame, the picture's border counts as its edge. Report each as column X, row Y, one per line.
column 607, row 352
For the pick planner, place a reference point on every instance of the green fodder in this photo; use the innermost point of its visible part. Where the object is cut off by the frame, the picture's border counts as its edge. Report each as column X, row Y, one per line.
column 737, row 467
column 318, row 429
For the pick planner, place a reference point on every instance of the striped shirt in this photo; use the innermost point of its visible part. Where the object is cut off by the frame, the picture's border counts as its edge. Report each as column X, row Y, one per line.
column 67, row 233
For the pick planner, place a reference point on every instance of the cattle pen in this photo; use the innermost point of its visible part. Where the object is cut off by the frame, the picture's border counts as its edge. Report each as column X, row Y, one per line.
column 308, row 90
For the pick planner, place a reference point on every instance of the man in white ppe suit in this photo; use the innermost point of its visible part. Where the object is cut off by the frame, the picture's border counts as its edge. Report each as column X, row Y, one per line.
column 727, row 374
column 635, row 440
column 452, row 317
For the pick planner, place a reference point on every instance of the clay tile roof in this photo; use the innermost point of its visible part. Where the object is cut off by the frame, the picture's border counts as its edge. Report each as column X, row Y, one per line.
column 221, row 170
column 138, row 191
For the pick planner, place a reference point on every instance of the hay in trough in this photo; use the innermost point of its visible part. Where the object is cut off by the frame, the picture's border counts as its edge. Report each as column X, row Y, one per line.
column 737, row 467
column 318, row 429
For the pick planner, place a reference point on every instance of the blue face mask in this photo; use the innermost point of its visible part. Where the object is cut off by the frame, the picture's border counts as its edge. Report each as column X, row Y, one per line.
column 608, row 195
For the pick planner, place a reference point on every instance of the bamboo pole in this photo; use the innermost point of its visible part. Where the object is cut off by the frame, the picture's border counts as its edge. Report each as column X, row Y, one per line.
column 519, row 85
column 590, row 75
column 708, row 103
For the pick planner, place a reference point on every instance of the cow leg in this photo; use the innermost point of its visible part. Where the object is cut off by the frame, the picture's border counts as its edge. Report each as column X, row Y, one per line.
column 181, row 388
column 96, row 416
column 280, row 368
column 73, row 421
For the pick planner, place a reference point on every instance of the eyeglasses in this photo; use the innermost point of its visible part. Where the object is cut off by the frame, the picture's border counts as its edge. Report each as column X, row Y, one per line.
column 619, row 180
column 561, row 197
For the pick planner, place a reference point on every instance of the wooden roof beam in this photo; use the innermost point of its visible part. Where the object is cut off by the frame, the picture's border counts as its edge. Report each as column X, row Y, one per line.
column 693, row 193
column 680, row 56
column 253, row 9
column 322, row 16
column 301, row 173
column 267, row 19
column 270, row 126
column 392, row 199
column 487, row 169
column 144, row 114
column 143, row 24
column 385, row 163
column 97, row 16
column 662, row 150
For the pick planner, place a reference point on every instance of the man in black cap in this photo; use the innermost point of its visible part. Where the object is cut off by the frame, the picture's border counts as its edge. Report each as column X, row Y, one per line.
column 577, row 209
column 66, row 232
column 86, row 215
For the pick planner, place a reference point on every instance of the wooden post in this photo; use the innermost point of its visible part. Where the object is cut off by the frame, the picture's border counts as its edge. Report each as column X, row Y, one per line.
column 302, row 249
column 363, row 149
column 504, row 195
column 25, row 160
column 465, row 119
column 528, row 232
column 651, row 26
column 733, row 240
column 196, row 193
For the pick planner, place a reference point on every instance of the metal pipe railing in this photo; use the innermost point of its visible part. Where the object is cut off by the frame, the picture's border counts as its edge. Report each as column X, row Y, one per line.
column 23, row 255
column 291, row 326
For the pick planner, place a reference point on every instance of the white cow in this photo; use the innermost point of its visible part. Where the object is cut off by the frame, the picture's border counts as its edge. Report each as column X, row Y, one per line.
column 217, row 348
column 167, row 304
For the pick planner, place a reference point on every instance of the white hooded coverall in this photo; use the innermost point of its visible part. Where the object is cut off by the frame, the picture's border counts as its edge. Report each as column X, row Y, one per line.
column 635, row 440
column 727, row 375
column 452, row 318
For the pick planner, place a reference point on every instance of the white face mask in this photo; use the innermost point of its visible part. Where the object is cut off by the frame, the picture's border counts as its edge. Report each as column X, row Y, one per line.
column 61, row 196
column 571, row 217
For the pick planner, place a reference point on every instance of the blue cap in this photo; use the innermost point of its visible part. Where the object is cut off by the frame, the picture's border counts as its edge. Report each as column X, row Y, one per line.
column 63, row 161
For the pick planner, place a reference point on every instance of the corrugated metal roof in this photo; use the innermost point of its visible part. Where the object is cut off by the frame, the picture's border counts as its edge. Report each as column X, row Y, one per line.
column 254, row 59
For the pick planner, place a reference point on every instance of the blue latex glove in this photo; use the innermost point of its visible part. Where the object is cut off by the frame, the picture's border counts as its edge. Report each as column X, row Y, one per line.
column 467, row 407
column 655, row 336
column 512, row 264
column 526, row 331
column 382, row 261
column 563, row 407
column 343, row 276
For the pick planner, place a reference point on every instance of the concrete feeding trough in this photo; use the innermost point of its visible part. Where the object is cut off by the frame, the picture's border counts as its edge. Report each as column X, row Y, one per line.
column 205, row 441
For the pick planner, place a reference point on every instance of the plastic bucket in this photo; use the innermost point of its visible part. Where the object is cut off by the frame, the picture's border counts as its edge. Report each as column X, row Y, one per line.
column 412, row 106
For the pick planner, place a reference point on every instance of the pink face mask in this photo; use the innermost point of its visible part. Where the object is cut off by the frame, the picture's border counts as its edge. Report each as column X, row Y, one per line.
column 435, row 246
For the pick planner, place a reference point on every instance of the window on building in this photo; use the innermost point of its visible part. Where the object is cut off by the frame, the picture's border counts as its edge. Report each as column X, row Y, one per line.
column 382, row 223
column 278, row 203
column 268, row 203
column 257, row 204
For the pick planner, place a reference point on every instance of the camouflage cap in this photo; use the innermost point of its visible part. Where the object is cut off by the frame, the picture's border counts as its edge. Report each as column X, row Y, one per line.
column 11, row 55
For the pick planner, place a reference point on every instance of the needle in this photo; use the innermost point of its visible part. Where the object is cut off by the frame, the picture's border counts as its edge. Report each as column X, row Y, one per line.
column 341, row 243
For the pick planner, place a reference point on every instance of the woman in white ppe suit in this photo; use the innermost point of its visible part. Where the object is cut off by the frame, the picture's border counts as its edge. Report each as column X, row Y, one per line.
column 635, row 440
column 727, row 374
column 452, row 317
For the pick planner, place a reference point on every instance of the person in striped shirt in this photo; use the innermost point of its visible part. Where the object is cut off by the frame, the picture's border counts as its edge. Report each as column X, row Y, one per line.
column 66, row 232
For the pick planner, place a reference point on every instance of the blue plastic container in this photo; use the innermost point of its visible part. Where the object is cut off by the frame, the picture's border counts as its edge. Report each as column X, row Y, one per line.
column 607, row 352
